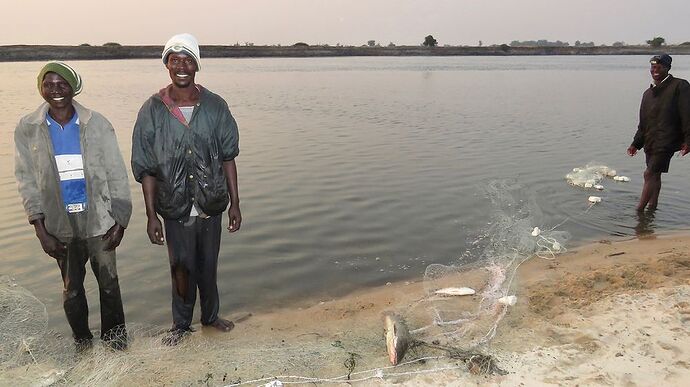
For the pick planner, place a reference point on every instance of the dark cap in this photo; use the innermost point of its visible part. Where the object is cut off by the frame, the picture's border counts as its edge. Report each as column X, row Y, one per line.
column 663, row 59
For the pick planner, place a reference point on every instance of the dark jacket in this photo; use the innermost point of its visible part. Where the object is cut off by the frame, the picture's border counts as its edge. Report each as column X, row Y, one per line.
column 664, row 117
column 186, row 159
column 107, row 188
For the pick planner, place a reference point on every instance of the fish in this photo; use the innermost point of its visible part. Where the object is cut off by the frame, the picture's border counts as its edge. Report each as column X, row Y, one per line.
column 455, row 292
column 397, row 337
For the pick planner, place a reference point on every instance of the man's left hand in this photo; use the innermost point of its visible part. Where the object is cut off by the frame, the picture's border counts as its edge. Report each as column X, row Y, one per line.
column 113, row 237
column 684, row 149
column 235, row 218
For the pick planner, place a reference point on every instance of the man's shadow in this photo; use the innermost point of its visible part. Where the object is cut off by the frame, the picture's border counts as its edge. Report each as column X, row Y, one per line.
column 645, row 224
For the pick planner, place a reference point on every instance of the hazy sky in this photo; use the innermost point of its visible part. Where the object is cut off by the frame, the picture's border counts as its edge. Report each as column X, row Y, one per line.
column 343, row 21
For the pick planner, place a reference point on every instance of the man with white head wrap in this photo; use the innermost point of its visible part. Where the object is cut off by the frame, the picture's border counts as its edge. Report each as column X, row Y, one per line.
column 184, row 146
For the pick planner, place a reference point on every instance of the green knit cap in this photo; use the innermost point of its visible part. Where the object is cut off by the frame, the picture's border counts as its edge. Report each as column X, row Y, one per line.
column 63, row 70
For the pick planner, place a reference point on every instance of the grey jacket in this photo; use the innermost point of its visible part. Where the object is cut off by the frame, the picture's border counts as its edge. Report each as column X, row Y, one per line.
column 185, row 158
column 108, row 193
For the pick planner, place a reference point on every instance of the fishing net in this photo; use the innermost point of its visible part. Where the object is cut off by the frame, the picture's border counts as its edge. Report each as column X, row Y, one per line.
column 489, row 268
column 23, row 320
column 590, row 175
column 25, row 348
column 448, row 333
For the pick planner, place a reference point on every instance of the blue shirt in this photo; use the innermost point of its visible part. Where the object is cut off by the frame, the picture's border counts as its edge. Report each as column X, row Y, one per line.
column 70, row 165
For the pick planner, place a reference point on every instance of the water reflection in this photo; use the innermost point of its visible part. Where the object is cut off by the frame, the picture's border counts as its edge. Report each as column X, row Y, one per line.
column 645, row 224
column 360, row 171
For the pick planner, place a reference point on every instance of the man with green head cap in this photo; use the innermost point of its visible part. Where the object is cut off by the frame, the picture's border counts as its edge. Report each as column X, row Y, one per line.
column 75, row 191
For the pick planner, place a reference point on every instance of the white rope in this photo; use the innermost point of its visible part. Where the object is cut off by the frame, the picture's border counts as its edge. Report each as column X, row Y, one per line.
column 378, row 374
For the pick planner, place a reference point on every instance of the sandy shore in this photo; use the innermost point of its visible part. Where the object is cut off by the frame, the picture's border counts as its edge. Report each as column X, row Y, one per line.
column 610, row 313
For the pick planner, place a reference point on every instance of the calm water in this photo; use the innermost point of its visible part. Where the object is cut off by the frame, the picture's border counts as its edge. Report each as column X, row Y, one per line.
column 359, row 171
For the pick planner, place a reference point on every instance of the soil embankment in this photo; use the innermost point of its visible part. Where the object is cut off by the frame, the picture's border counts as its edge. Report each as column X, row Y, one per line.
column 22, row 53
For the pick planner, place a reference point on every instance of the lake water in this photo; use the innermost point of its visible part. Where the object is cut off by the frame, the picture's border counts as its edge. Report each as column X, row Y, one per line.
column 359, row 171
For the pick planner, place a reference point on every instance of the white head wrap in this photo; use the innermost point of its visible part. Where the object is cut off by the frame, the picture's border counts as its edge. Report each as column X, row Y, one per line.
column 185, row 43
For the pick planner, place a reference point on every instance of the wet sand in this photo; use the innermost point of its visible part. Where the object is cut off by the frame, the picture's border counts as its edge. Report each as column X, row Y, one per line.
column 609, row 313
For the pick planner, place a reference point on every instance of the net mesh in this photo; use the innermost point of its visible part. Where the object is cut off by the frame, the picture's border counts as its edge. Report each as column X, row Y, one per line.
column 23, row 320
column 471, row 322
column 444, row 329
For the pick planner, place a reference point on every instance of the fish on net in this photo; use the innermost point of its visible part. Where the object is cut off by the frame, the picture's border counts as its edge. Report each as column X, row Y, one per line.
column 442, row 330
column 463, row 326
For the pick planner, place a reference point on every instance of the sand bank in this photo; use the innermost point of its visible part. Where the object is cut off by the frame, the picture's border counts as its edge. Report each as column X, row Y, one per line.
column 610, row 313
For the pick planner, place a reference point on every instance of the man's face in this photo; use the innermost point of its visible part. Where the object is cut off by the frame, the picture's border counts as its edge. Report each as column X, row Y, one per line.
column 658, row 71
column 56, row 91
column 182, row 69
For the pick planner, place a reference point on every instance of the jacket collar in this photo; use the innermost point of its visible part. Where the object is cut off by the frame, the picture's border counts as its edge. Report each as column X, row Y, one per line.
column 664, row 84
column 39, row 116
column 164, row 95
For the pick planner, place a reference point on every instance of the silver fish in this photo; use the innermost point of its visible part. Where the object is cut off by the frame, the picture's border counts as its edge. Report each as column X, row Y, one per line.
column 397, row 337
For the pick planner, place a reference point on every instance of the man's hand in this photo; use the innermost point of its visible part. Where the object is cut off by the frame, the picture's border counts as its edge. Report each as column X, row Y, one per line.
column 155, row 230
column 632, row 151
column 235, row 218
column 51, row 245
column 113, row 237
column 684, row 149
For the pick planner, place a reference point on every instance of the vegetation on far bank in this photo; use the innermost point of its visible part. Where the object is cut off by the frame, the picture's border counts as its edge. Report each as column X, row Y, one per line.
column 428, row 47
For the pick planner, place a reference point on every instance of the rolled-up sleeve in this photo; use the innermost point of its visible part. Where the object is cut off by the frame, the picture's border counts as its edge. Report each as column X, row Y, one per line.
column 229, row 134
column 26, row 176
column 143, row 157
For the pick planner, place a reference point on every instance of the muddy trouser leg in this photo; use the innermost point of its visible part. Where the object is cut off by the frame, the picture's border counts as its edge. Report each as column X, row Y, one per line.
column 181, row 239
column 112, row 315
column 73, row 270
column 208, row 246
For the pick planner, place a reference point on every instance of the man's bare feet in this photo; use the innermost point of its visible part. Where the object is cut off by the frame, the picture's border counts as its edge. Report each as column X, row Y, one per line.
column 222, row 325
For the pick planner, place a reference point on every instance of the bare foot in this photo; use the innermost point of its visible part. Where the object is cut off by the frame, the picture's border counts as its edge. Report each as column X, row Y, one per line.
column 222, row 325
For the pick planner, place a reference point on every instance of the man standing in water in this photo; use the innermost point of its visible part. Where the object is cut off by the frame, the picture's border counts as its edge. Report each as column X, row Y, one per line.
column 74, row 188
column 183, row 153
column 664, row 127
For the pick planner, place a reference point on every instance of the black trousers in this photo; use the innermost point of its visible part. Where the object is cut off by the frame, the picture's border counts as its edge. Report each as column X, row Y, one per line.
column 193, row 247
column 73, row 271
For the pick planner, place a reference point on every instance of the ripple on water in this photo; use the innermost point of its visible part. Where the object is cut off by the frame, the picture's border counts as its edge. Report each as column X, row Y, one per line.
column 349, row 159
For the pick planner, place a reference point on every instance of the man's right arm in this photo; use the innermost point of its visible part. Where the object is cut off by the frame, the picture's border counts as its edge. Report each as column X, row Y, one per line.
column 144, row 169
column 638, row 140
column 154, row 228
column 684, row 112
column 51, row 245
column 26, row 176
column 31, row 196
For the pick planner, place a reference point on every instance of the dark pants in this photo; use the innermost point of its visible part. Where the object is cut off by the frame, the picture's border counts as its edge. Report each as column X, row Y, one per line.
column 193, row 248
column 73, row 270
column 658, row 162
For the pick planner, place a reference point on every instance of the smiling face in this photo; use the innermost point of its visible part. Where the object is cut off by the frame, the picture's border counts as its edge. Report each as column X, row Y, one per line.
column 658, row 71
column 56, row 91
column 182, row 69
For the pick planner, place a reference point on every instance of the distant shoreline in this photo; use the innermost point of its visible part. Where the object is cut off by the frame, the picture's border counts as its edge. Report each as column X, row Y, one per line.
column 25, row 53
